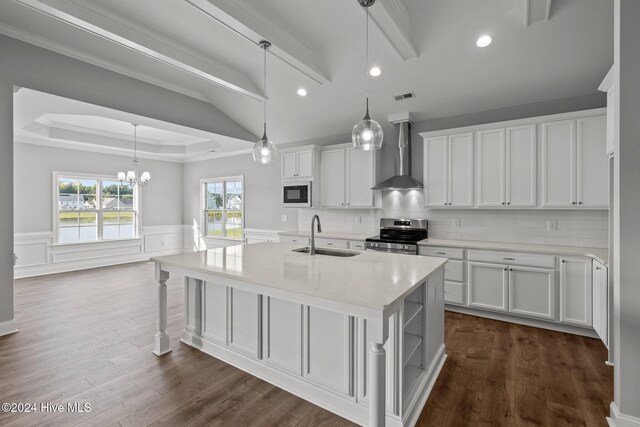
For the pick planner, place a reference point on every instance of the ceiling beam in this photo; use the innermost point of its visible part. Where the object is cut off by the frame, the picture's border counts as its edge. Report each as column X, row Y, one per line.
column 93, row 19
column 536, row 11
column 393, row 19
column 247, row 22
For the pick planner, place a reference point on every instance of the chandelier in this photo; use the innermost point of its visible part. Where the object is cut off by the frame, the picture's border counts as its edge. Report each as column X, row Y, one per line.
column 132, row 176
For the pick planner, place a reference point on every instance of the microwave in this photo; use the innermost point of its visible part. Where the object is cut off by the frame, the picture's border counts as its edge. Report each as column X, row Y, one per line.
column 296, row 195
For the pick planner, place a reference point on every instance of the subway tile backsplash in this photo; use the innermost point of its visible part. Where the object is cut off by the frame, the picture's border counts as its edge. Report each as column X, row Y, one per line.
column 574, row 228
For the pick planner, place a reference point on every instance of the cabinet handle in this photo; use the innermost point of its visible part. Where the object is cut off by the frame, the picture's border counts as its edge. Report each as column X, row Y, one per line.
column 503, row 203
column 573, row 203
column 441, row 253
column 329, row 244
column 509, row 259
column 508, row 203
column 505, row 269
column 579, row 203
column 511, row 269
column 563, row 261
column 598, row 268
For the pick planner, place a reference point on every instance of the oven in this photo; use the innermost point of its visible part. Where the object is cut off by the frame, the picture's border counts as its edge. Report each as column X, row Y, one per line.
column 398, row 236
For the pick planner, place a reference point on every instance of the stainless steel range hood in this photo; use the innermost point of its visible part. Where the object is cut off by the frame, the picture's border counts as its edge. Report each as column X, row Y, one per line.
column 403, row 180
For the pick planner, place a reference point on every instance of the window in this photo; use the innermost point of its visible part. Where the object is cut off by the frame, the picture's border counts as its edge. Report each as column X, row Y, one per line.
column 223, row 201
column 90, row 209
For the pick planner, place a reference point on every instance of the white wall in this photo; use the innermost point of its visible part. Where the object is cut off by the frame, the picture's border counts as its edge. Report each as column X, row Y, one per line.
column 161, row 200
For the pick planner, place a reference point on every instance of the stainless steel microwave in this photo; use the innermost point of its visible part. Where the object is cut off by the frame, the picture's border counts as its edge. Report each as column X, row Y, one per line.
column 296, row 195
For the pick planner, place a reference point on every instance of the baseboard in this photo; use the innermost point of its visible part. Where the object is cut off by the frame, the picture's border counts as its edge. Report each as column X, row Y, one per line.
column 616, row 419
column 558, row 327
column 8, row 327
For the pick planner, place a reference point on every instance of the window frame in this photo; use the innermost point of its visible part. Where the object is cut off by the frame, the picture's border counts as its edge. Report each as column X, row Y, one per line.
column 98, row 211
column 203, row 206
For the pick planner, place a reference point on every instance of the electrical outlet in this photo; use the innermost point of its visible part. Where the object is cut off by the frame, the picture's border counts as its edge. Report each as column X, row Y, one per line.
column 455, row 222
column 285, row 218
column 358, row 220
column 552, row 225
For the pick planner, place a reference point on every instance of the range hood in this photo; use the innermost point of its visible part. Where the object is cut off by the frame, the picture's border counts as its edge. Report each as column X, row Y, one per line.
column 403, row 179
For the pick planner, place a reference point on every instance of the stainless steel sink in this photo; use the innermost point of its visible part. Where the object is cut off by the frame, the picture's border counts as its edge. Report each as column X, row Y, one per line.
column 328, row 252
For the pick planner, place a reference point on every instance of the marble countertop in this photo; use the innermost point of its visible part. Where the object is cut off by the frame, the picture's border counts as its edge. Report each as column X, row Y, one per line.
column 328, row 235
column 599, row 254
column 373, row 280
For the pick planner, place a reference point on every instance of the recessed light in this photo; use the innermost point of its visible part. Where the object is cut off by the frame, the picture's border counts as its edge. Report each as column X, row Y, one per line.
column 375, row 71
column 484, row 41
column 302, row 92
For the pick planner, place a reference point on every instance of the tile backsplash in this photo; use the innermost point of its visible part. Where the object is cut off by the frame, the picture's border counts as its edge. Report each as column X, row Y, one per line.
column 573, row 227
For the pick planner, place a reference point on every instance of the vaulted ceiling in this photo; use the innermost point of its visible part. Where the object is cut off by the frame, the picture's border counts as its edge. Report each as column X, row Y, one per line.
column 541, row 50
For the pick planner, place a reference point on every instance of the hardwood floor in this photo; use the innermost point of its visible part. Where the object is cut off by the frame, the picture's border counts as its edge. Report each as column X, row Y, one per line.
column 87, row 337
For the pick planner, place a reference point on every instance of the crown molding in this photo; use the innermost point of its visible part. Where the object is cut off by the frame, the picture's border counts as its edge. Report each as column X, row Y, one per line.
column 99, row 22
column 245, row 21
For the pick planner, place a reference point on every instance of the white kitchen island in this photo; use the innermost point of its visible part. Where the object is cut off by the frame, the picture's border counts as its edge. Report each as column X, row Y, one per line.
column 361, row 336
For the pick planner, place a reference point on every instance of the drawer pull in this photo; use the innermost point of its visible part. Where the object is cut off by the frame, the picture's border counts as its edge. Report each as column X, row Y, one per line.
column 329, row 244
column 509, row 259
column 441, row 253
column 598, row 268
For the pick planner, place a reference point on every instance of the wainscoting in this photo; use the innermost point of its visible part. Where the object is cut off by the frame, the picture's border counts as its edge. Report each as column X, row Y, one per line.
column 37, row 254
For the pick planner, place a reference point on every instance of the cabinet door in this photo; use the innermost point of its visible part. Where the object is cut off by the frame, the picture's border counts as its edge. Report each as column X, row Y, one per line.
column 575, row 291
column 361, row 175
column 532, row 292
column 244, row 322
column 491, row 172
column 304, row 165
column 558, row 164
column 600, row 301
column 521, row 172
column 332, row 187
column 435, row 174
column 328, row 349
column 460, row 163
column 289, row 165
column 282, row 334
column 488, row 286
column 592, row 162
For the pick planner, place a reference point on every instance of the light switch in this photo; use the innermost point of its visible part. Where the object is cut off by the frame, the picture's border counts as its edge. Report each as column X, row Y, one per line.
column 455, row 222
column 552, row 225
column 358, row 220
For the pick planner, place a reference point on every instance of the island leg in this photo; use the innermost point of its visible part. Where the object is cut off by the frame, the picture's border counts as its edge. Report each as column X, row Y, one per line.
column 377, row 385
column 161, row 345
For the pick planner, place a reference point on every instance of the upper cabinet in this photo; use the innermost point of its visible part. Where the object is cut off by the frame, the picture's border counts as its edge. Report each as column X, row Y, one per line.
column 550, row 162
column 346, row 177
column 298, row 164
column 448, row 171
column 506, row 161
column 575, row 163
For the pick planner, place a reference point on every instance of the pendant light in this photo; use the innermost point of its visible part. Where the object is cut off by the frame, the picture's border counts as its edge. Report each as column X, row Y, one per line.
column 367, row 134
column 132, row 175
column 264, row 151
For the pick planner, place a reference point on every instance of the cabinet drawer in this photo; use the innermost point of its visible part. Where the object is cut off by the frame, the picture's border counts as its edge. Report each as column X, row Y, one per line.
column 294, row 239
column 514, row 258
column 454, row 293
column 357, row 245
column 332, row 243
column 451, row 253
column 453, row 271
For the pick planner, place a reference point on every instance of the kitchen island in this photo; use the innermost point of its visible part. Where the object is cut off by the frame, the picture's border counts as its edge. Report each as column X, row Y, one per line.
column 361, row 335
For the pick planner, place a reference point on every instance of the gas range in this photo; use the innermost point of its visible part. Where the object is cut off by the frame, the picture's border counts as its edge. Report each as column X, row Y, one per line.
column 400, row 236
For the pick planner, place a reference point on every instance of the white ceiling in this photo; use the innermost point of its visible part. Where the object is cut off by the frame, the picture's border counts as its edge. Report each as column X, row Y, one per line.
column 567, row 55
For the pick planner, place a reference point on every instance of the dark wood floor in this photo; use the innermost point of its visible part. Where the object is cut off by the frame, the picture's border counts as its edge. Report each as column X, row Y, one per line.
column 87, row 337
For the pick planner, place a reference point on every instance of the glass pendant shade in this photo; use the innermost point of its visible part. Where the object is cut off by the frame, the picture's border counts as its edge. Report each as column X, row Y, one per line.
column 264, row 151
column 145, row 177
column 367, row 134
column 121, row 176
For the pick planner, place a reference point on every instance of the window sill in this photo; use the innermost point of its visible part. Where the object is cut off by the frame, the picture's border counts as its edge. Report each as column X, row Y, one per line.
column 228, row 239
column 97, row 242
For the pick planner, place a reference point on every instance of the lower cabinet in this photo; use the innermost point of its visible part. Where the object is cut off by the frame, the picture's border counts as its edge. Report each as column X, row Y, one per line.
column 488, row 286
column 532, row 292
column 601, row 301
column 575, row 291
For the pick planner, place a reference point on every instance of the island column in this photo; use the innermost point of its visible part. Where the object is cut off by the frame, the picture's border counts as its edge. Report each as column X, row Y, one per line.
column 161, row 345
column 378, row 331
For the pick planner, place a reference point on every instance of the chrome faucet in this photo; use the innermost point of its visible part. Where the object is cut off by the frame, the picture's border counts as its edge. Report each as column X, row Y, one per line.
column 312, row 250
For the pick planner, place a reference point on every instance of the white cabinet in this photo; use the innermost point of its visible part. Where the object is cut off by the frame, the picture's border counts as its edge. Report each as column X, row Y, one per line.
column 455, row 286
column 298, row 164
column 506, row 165
column 243, row 315
column 488, row 286
column 574, row 163
column 448, row 172
column 532, row 292
column 575, row 291
column 601, row 301
column 347, row 176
